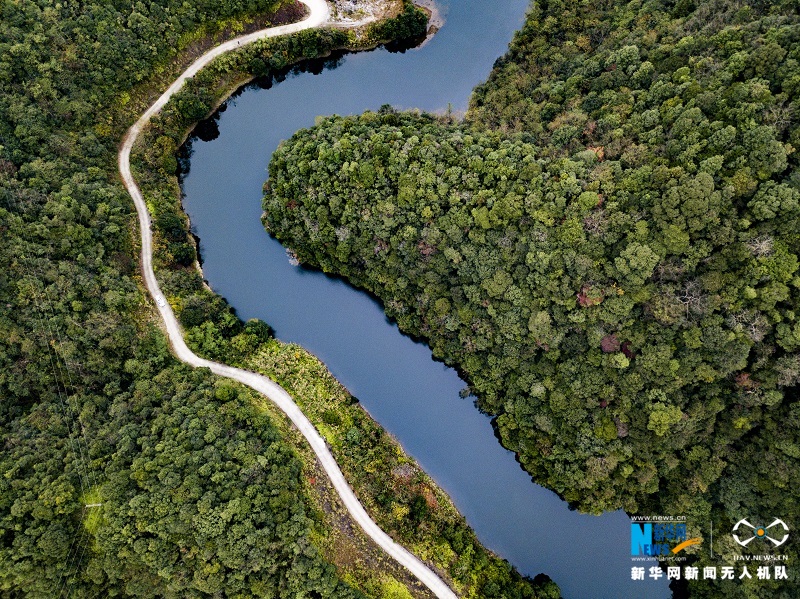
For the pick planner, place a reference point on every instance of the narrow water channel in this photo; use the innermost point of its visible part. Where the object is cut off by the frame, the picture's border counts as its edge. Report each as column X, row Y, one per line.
column 396, row 380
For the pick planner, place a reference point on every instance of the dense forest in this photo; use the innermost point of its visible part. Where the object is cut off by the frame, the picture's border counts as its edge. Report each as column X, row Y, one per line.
column 125, row 473
column 606, row 246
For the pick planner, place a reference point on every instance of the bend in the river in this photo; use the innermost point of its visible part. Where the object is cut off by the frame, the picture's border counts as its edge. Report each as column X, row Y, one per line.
column 317, row 17
column 414, row 398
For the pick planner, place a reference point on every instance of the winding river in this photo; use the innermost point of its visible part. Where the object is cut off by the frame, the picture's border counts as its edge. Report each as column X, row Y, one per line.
column 396, row 380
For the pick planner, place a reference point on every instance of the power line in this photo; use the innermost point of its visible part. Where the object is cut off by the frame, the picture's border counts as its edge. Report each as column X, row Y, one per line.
column 71, row 419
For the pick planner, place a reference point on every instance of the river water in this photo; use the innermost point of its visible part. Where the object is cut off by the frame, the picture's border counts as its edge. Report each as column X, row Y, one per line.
column 396, row 380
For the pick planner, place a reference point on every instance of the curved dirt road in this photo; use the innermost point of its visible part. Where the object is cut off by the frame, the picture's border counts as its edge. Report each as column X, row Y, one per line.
column 318, row 16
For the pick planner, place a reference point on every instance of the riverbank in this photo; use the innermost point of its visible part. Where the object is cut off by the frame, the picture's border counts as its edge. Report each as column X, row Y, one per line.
column 204, row 91
column 318, row 15
column 402, row 498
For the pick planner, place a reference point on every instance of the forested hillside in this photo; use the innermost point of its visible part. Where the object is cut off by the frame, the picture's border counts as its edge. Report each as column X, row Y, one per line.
column 607, row 248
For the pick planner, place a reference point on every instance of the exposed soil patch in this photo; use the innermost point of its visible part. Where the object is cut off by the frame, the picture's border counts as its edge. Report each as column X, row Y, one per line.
column 349, row 11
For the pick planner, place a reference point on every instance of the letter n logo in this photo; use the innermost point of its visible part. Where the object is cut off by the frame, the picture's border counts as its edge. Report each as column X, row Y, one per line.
column 641, row 535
